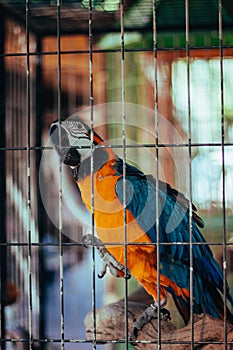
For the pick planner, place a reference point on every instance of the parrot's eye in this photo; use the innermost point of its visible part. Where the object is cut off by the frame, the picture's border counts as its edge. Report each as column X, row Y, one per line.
column 80, row 126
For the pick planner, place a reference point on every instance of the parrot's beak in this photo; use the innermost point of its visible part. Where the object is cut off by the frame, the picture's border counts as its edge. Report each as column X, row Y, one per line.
column 60, row 139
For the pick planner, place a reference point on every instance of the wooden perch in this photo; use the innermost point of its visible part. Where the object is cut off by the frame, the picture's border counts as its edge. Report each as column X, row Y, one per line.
column 110, row 325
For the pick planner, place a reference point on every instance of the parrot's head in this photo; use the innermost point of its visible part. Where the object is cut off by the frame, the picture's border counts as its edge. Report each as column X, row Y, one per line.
column 72, row 140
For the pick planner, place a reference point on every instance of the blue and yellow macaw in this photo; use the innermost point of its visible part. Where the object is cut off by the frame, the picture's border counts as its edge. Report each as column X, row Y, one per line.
column 72, row 140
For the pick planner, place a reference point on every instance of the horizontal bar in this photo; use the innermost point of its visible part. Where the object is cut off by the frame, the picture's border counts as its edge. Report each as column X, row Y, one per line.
column 144, row 145
column 77, row 244
column 73, row 52
column 116, row 341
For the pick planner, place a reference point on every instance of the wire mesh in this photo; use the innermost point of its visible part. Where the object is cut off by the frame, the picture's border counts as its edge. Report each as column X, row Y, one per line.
column 25, row 246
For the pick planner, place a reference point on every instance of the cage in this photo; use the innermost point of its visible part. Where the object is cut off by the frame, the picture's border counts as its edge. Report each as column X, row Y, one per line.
column 154, row 79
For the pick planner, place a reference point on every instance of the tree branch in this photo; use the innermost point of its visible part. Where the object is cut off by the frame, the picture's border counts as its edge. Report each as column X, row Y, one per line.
column 110, row 325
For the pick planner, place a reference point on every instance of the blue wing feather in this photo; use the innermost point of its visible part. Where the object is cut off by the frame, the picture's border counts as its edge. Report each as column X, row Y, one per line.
column 174, row 227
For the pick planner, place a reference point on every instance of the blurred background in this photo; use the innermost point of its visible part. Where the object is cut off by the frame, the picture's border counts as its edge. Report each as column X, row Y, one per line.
column 47, row 278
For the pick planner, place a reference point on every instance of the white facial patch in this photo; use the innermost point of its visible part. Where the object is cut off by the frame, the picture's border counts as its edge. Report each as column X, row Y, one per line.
column 82, row 144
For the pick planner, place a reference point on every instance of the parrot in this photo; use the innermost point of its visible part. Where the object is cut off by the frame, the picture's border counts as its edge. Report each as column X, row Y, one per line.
column 147, row 221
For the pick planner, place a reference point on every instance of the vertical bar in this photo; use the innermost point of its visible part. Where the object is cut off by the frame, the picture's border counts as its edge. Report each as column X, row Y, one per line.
column 3, row 230
column 61, row 271
column 92, row 172
column 156, row 126
column 40, row 209
column 223, row 171
column 124, row 166
column 190, row 169
column 28, row 75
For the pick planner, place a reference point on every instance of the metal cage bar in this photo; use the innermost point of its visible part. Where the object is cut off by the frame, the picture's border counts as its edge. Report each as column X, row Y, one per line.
column 187, row 36
column 29, row 224
column 220, row 30
column 3, row 229
column 91, row 104
column 156, row 132
column 60, row 207
column 124, row 143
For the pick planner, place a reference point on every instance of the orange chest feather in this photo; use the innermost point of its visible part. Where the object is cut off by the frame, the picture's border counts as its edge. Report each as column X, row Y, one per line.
column 105, row 198
column 108, row 210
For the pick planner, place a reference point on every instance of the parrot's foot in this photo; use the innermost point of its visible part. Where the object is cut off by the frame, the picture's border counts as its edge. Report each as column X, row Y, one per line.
column 115, row 268
column 148, row 314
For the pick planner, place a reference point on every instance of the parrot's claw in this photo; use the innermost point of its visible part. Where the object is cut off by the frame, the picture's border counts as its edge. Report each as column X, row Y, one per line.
column 150, row 312
column 115, row 268
column 103, row 272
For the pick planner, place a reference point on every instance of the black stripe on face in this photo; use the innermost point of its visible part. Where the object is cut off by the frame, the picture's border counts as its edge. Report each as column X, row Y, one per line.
column 72, row 157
